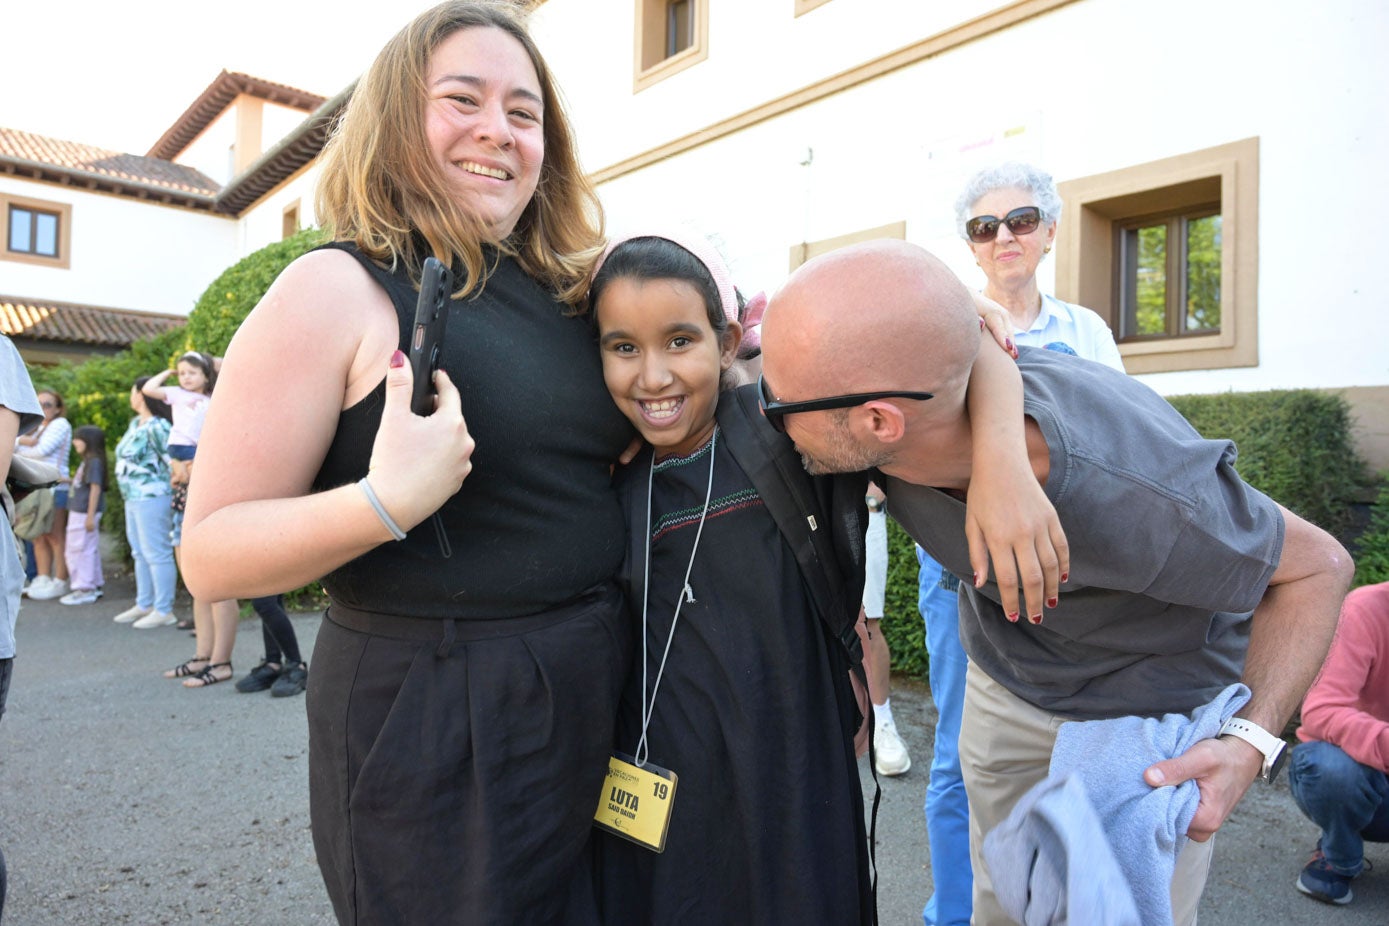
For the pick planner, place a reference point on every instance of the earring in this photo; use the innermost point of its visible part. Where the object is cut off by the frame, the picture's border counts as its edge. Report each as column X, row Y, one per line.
column 1046, row 250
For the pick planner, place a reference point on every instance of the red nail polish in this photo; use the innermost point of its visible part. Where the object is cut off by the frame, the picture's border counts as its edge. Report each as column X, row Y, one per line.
column 1012, row 617
column 1034, row 618
column 1065, row 576
column 1051, row 602
column 975, row 578
column 981, row 323
column 397, row 360
column 1008, row 343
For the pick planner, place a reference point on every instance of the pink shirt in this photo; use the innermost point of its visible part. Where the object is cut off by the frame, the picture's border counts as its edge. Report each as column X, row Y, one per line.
column 190, row 408
column 1348, row 704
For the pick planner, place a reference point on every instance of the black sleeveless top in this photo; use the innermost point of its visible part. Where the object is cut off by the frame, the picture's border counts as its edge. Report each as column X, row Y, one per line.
column 537, row 521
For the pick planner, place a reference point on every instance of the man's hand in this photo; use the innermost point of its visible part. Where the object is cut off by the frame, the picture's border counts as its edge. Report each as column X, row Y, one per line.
column 1223, row 769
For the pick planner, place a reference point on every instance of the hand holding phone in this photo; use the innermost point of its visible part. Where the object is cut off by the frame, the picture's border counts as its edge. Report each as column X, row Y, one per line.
column 427, row 337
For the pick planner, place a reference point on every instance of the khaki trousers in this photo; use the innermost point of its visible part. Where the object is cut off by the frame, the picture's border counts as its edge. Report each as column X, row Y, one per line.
column 1005, row 749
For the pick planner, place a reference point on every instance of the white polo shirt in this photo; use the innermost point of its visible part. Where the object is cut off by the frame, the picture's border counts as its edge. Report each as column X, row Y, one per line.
column 1073, row 326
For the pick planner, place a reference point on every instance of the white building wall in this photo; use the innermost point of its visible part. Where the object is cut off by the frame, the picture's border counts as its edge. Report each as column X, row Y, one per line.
column 211, row 151
column 1095, row 86
column 264, row 223
column 757, row 51
column 125, row 253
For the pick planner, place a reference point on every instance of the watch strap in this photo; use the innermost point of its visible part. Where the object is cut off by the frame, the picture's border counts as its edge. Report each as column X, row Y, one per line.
column 1269, row 745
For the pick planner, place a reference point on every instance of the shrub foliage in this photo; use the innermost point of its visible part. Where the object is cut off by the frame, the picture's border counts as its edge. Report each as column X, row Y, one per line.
column 1372, row 550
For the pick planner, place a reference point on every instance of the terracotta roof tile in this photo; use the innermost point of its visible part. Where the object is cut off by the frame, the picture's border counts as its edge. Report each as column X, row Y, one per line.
column 80, row 324
column 26, row 150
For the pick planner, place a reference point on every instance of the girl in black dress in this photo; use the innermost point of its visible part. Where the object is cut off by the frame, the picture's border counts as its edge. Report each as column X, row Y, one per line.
column 744, row 576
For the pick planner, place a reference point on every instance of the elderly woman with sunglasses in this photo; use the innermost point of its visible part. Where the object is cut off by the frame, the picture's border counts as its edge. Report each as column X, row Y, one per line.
column 1008, row 214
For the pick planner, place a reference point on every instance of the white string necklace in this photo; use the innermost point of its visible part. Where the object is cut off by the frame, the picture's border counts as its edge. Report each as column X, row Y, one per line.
column 686, row 594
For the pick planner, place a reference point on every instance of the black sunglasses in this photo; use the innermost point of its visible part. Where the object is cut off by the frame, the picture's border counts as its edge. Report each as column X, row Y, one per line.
column 776, row 411
column 1021, row 221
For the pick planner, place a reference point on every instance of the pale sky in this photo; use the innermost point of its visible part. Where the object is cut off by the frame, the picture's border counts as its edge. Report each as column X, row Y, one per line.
column 117, row 74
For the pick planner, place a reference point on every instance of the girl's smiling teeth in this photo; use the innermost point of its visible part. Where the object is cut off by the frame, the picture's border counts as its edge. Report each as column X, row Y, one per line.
column 660, row 409
column 473, row 167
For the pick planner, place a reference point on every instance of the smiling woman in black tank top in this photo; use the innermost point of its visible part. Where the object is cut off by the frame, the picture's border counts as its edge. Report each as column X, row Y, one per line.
column 466, row 676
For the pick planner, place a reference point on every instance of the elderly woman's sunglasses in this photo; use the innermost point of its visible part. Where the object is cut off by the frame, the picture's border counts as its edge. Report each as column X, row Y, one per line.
column 1021, row 221
column 776, row 412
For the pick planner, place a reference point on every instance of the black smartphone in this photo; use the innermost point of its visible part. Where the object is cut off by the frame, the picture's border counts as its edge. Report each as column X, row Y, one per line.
column 427, row 338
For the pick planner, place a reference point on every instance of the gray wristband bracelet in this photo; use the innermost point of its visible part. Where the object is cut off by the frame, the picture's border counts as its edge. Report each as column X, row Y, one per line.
column 381, row 512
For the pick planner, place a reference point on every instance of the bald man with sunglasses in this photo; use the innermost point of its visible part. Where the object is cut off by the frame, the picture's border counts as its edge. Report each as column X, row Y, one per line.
column 1183, row 579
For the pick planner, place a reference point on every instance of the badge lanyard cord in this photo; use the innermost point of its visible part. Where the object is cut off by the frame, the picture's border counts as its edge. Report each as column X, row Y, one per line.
column 649, row 707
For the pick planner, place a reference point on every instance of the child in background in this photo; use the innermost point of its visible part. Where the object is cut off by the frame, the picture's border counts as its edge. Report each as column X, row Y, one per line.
column 745, row 575
column 197, row 374
column 86, row 502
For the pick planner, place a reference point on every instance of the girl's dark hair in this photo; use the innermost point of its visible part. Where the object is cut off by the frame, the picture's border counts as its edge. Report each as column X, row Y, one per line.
column 653, row 258
column 94, row 439
column 203, row 362
column 158, row 407
column 657, row 258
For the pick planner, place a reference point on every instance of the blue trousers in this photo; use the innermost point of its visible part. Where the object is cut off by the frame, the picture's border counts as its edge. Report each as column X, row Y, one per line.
column 947, row 807
column 147, row 525
column 1349, row 801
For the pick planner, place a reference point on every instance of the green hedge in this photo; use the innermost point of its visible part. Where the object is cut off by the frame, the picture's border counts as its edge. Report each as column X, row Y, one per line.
column 97, row 391
column 1372, row 547
column 902, row 624
column 1294, row 445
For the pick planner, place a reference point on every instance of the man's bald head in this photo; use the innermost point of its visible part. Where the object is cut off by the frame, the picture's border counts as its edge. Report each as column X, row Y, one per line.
column 876, row 316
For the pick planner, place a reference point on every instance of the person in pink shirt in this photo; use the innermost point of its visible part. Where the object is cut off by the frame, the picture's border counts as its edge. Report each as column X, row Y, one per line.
column 1338, row 772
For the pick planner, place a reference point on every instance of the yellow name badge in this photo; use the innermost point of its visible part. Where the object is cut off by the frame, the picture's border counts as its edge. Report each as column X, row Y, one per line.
column 636, row 802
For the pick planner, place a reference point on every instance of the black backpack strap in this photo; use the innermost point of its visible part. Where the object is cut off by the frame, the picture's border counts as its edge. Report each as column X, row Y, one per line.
column 821, row 538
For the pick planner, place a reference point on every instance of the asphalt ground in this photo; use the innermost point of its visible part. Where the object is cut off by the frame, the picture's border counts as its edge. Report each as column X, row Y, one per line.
column 127, row 799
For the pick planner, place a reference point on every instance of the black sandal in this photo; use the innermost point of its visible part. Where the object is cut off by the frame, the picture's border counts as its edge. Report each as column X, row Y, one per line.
column 185, row 669
column 207, row 676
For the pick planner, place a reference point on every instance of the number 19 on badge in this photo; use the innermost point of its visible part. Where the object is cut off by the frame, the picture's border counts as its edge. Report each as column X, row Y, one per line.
column 636, row 802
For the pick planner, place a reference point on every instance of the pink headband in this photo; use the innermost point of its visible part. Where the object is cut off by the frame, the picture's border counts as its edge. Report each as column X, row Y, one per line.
column 707, row 255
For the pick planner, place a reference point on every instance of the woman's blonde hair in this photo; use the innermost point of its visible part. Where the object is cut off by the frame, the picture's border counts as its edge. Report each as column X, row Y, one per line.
column 382, row 189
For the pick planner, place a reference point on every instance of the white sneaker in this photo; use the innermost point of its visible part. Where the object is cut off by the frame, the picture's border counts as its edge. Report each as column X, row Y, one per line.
column 36, row 584
column 80, row 596
column 53, row 588
column 132, row 613
column 889, row 752
column 155, row 619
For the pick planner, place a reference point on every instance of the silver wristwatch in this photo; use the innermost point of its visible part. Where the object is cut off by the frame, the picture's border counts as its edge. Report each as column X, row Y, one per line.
column 1274, row 749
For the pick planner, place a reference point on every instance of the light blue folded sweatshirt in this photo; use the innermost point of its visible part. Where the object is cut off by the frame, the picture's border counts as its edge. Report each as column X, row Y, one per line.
column 1120, row 836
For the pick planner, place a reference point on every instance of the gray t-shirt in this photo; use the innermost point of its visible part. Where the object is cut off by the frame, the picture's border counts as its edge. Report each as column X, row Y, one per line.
column 1170, row 552
column 16, row 394
column 92, row 473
